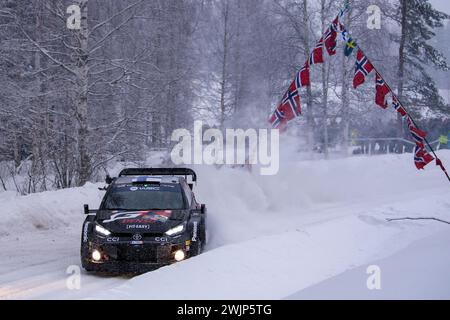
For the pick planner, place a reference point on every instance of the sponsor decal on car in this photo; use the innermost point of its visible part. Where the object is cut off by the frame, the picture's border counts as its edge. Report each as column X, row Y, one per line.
column 138, row 227
column 195, row 231
column 140, row 217
column 145, row 188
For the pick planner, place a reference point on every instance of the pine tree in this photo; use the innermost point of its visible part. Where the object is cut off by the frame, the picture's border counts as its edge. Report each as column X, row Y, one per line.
column 417, row 57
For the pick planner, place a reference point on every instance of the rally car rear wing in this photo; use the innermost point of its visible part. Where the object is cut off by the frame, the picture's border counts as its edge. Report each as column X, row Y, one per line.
column 159, row 172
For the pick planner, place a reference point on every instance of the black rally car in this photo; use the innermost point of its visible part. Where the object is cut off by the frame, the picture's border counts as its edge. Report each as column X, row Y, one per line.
column 148, row 218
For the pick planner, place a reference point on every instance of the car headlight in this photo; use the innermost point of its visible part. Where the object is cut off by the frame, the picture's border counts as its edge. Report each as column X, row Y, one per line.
column 175, row 230
column 102, row 230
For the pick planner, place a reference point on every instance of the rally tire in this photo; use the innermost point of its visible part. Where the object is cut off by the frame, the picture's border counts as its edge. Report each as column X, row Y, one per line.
column 196, row 248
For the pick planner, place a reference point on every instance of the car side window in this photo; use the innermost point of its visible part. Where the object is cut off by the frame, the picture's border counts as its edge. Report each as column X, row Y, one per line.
column 188, row 193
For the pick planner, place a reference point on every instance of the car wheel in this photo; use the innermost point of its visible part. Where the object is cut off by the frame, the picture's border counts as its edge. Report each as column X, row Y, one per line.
column 203, row 237
column 196, row 248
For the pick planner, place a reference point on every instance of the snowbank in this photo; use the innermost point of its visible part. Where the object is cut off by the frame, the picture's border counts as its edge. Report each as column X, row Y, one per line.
column 57, row 209
column 46, row 210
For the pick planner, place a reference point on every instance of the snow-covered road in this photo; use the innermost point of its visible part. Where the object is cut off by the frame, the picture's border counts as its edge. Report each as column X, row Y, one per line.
column 36, row 267
column 417, row 272
column 276, row 266
column 271, row 237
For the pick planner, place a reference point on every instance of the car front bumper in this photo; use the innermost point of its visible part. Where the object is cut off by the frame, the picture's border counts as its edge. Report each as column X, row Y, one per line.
column 135, row 256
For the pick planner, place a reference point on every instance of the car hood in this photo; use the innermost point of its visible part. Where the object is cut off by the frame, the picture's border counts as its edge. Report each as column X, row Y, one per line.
column 141, row 221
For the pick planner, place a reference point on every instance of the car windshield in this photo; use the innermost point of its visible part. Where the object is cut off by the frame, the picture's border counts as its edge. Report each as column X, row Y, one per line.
column 145, row 197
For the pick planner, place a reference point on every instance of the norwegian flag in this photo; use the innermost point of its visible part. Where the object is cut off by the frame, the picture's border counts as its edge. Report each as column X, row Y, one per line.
column 398, row 107
column 418, row 135
column 336, row 24
column 410, row 123
column 317, row 54
column 363, row 68
column 382, row 90
column 303, row 79
column 289, row 108
column 331, row 39
column 278, row 119
column 422, row 158
column 290, row 104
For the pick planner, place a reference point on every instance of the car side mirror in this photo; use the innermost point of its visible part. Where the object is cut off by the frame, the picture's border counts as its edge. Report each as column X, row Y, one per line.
column 203, row 208
column 89, row 211
column 109, row 180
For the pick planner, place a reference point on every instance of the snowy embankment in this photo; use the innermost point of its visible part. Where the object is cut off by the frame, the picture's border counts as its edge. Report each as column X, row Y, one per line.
column 270, row 237
column 45, row 211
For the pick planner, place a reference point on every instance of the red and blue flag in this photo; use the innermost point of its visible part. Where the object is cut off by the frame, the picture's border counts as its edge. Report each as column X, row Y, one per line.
column 362, row 69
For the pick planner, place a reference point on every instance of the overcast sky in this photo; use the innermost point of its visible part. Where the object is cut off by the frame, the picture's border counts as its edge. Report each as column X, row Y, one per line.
column 442, row 5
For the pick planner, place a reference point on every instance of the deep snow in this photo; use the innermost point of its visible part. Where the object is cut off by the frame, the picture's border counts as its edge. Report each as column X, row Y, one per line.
column 417, row 272
column 270, row 237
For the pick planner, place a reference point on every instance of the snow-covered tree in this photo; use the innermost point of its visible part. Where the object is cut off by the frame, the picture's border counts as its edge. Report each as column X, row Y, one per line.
column 417, row 57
